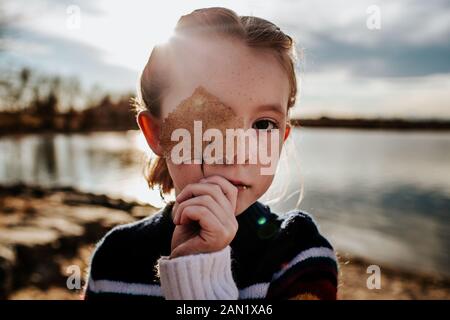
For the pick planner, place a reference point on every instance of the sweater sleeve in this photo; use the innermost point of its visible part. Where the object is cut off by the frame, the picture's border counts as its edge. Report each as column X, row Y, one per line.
column 306, row 268
column 205, row 276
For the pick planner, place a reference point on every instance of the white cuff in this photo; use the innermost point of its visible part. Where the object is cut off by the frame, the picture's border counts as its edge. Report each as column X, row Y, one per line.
column 205, row 276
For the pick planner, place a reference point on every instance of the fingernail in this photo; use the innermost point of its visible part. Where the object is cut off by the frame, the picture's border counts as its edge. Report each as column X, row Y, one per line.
column 203, row 180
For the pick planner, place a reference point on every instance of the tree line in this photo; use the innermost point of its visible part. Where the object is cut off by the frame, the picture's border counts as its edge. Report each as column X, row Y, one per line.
column 32, row 102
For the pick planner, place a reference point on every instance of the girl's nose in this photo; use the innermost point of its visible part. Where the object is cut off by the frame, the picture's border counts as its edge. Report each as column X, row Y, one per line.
column 241, row 149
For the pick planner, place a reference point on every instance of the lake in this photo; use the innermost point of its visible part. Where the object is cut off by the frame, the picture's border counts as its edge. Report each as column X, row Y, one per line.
column 382, row 195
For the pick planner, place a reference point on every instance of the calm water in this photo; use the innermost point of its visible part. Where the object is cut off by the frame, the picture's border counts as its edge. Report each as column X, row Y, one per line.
column 380, row 195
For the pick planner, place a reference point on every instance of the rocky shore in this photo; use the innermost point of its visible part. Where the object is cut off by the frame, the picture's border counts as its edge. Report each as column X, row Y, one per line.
column 44, row 233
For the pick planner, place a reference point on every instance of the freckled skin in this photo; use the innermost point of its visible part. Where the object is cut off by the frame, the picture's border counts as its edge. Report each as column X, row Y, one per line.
column 248, row 84
column 243, row 78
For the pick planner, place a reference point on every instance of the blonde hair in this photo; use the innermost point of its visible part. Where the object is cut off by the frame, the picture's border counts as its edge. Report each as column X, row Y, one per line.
column 253, row 31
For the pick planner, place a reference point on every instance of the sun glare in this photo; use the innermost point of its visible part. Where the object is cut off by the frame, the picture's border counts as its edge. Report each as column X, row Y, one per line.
column 146, row 25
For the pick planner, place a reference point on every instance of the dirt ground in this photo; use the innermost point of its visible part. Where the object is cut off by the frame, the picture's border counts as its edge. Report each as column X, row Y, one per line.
column 43, row 232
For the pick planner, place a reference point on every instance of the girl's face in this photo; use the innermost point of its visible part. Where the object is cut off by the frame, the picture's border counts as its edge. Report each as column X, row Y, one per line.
column 249, row 80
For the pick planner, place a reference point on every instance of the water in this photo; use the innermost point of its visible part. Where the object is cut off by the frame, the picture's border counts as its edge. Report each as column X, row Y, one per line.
column 380, row 195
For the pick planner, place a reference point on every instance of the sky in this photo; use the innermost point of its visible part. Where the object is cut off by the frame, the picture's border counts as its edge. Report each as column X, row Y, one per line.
column 358, row 58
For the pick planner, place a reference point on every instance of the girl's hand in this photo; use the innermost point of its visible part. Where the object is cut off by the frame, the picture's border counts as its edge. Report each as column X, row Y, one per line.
column 204, row 215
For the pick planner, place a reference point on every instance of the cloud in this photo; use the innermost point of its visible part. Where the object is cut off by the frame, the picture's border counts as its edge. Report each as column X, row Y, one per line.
column 57, row 55
column 403, row 68
column 388, row 59
column 337, row 93
column 412, row 41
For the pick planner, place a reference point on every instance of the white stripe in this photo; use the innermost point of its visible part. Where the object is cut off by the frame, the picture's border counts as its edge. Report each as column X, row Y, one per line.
column 319, row 252
column 124, row 288
column 254, row 291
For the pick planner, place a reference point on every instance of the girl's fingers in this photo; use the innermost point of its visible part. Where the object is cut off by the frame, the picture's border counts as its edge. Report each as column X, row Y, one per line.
column 208, row 202
column 186, row 248
column 208, row 222
column 199, row 189
column 174, row 211
column 212, row 232
column 227, row 187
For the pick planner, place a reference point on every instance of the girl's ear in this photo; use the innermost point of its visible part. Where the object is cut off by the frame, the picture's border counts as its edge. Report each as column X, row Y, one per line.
column 287, row 131
column 150, row 127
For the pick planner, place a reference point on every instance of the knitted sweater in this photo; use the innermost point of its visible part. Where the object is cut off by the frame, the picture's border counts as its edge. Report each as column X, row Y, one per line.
column 272, row 256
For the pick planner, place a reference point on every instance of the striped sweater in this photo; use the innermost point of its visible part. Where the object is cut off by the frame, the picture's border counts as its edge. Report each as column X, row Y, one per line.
column 272, row 256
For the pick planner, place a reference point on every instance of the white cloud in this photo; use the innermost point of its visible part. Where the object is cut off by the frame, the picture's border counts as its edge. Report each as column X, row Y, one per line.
column 337, row 93
column 401, row 69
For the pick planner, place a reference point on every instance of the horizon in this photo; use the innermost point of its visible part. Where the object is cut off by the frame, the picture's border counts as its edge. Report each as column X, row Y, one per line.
column 396, row 69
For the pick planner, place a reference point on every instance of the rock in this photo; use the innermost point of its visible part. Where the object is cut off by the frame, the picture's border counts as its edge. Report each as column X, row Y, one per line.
column 7, row 262
column 140, row 212
column 45, row 227
column 27, row 236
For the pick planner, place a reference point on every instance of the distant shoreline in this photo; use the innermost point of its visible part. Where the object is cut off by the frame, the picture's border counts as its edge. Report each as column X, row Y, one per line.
column 29, row 124
column 374, row 123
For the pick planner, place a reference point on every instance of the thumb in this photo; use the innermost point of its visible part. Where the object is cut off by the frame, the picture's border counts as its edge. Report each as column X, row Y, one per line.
column 192, row 246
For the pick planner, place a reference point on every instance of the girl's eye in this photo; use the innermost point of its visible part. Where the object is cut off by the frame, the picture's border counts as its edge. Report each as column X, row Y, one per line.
column 265, row 124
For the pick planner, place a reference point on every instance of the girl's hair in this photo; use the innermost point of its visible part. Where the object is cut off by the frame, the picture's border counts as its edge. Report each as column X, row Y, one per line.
column 253, row 31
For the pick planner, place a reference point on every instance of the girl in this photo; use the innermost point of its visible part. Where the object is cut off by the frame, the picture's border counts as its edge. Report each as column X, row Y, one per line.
column 216, row 241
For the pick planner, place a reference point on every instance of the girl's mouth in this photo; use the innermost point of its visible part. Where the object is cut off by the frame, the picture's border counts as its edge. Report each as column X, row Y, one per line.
column 239, row 184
